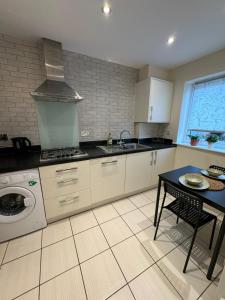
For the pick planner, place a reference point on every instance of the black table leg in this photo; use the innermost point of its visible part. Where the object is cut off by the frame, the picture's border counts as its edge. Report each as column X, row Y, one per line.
column 157, row 202
column 216, row 250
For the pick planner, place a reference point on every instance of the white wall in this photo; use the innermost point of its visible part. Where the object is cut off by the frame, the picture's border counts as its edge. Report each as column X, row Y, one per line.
column 197, row 157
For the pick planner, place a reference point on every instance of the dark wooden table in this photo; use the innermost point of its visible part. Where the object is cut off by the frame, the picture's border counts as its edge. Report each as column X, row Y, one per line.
column 215, row 199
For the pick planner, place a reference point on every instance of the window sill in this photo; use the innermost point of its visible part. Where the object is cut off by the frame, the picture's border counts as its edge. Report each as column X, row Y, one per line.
column 204, row 148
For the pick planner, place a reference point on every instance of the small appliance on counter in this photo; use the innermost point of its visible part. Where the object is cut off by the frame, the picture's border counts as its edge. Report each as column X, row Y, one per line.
column 21, row 144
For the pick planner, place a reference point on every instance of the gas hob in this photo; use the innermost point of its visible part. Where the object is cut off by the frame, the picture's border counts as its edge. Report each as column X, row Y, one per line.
column 61, row 154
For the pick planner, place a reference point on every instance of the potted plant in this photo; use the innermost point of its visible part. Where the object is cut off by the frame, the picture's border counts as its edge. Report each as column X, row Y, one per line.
column 194, row 139
column 211, row 139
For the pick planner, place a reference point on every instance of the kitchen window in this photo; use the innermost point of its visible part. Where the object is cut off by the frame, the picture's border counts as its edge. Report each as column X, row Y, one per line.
column 203, row 111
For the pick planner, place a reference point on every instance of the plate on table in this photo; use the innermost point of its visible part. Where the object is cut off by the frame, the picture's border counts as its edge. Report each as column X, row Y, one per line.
column 205, row 172
column 203, row 186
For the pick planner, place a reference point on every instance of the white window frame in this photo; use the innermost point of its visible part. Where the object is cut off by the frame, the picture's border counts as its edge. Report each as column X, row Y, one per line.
column 187, row 104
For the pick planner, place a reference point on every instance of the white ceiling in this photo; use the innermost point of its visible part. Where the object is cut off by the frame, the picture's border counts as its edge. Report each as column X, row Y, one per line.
column 135, row 34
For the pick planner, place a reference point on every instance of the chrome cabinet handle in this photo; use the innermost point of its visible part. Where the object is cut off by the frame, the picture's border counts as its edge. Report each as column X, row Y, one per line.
column 68, row 180
column 151, row 163
column 66, row 170
column 109, row 162
column 68, row 201
column 155, row 158
column 151, row 110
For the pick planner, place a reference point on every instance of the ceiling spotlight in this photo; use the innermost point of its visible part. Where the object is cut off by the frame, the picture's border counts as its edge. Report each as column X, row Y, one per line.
column 171, row 40
column 106, row 9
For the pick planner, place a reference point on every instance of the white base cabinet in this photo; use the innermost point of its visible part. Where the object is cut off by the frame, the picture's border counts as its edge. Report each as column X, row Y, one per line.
column 72, row 187
column 142, row 169
column 66, row 188
column 138, row 171
column 107, row 177
column 163, row 161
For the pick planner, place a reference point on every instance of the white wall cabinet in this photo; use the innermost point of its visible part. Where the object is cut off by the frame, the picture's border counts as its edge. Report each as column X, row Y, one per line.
column 107, row 177
column 153, row 100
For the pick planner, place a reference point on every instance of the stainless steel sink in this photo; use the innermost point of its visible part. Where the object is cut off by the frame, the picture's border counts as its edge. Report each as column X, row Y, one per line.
column 122, row 147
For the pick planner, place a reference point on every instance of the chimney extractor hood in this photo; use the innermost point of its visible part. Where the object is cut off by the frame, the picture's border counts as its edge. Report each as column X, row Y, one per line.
column 54, row 88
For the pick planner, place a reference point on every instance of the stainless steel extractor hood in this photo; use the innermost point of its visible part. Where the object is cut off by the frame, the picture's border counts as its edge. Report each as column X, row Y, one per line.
column 54, row 88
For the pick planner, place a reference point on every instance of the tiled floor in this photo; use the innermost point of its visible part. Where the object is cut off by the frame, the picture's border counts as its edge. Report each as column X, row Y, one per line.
column 109, row 253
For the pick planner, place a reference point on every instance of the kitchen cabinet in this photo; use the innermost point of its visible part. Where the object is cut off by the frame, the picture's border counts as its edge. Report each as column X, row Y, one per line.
column 138, row 171
column 153, row 100
column 107, row 177
column 72, row 187
column 142, row 169
column 61, row 206
column 66, row 188
column 162, row 161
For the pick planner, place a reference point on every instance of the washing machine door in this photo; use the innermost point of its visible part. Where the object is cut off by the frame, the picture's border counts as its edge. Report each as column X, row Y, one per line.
column 16, row 203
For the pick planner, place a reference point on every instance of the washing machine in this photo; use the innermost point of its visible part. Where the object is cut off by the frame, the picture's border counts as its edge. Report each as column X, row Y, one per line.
column 21, row 204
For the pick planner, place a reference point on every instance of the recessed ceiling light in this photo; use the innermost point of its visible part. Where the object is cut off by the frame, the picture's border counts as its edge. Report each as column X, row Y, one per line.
column 171, row 40
column 106, row 9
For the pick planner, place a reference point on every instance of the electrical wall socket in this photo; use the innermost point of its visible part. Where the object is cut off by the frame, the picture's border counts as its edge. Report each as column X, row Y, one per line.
column 85, row 133
column 3, row 137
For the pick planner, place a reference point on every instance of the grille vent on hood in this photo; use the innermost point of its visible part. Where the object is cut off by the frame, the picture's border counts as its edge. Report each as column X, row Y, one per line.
column 54, row 88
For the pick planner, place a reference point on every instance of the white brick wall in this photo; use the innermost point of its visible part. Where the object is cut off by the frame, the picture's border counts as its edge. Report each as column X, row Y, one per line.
column 108, row 89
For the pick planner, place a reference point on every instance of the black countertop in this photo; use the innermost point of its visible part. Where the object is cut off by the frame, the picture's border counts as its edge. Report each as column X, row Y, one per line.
column 10, row 162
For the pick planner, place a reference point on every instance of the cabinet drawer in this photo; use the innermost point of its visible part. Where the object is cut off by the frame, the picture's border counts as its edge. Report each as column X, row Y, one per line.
column 58, row 180
column 107, row 177
column 62, row 186
column 67, row 204
column 64, row 170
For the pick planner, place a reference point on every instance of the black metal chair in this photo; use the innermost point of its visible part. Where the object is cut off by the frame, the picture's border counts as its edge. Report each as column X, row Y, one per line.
column 218, row 168
column 190, row 209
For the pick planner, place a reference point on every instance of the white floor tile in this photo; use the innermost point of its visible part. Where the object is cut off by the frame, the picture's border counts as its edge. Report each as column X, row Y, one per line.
column 19, row 276
column 211, row 293
column 102, row 276
column 149, row 211
column 58, row 258
column 139, row 200
column 105, row 213
column 201, row 255
column 23, row 245
column 83, row 222
column 56, row 232
column 136, row 220
column 3, row 247
column 152, row 194
column 174, row 231
column 124, row 206
column 205, row 233
column 132, row 257
column 123, row 294
column 152, row 284
column 90, row 242
column 116, row 231
column 67, row 286
column 162, row 245
column 31, row 295
column 189, row 285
